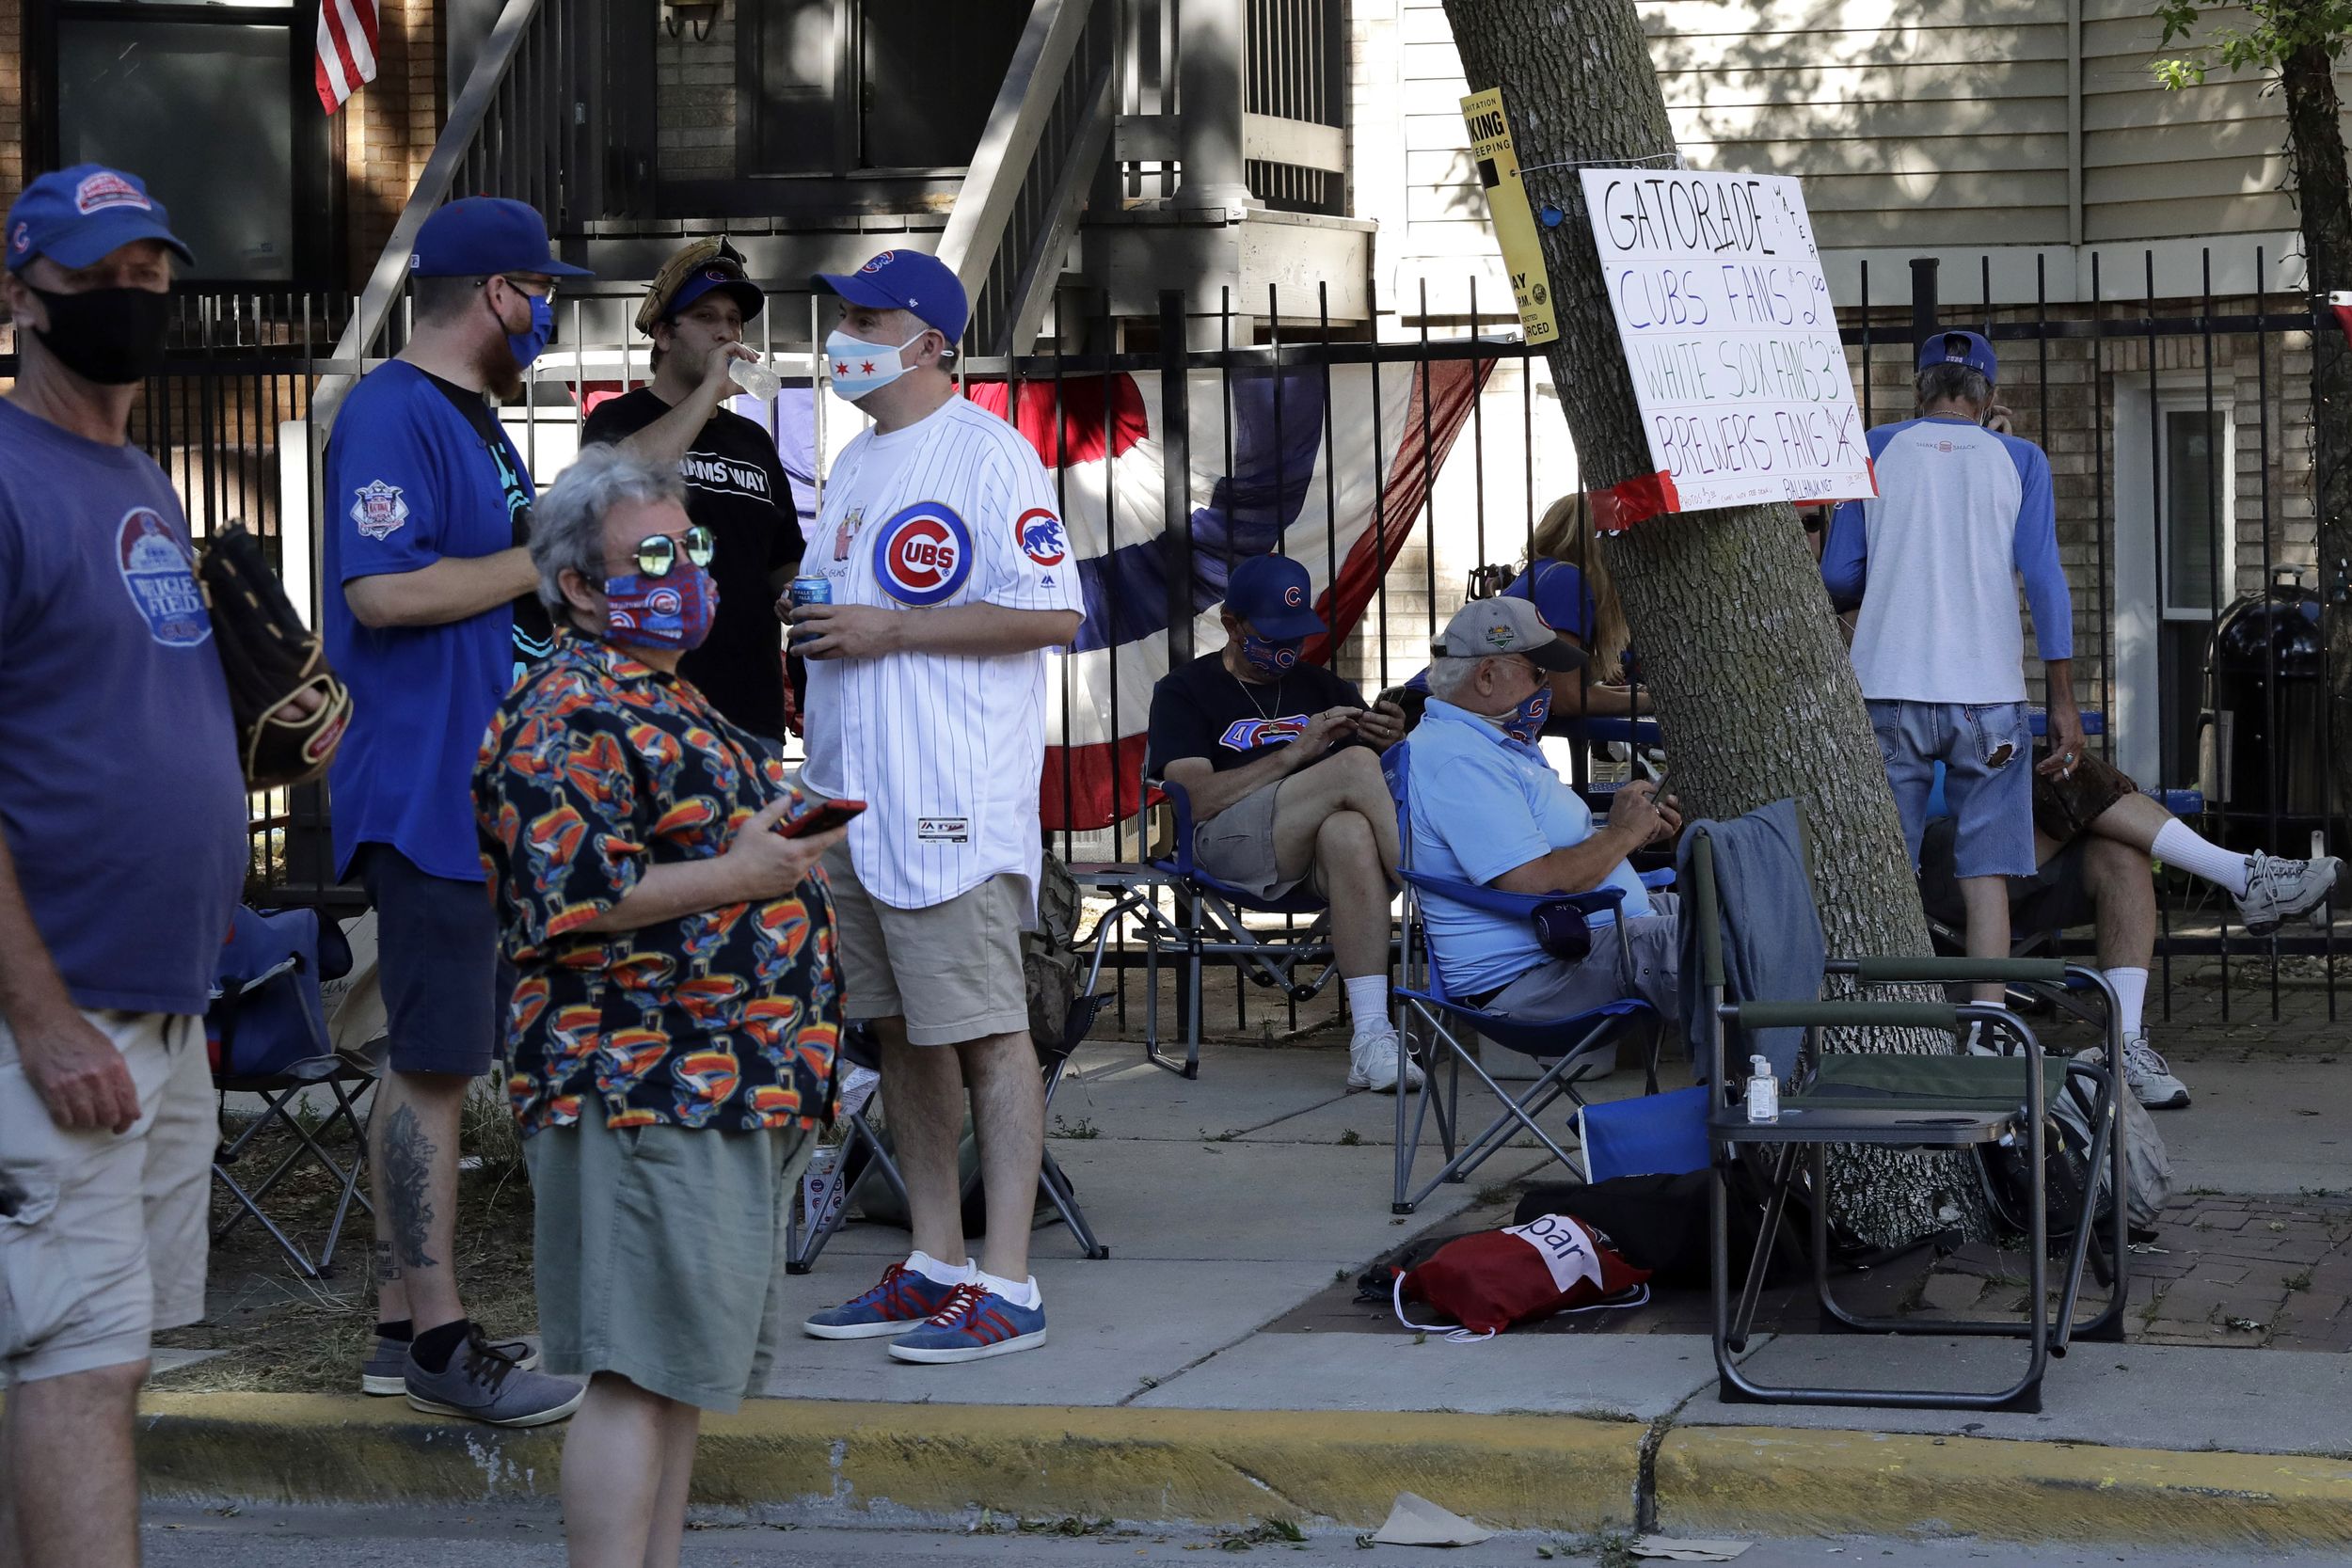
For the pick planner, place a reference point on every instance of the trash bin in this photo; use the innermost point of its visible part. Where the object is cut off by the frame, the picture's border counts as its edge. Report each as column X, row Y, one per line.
column 2261, row 742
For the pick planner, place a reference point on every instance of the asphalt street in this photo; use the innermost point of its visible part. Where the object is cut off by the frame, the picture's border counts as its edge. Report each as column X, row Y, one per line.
column 510, row 1538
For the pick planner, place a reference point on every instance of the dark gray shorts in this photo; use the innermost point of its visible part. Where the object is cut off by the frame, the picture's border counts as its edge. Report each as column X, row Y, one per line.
column 436, row 956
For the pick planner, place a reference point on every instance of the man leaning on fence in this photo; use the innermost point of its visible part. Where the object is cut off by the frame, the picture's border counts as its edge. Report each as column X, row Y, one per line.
column 427, row 506
column 1486, row 808
column 1962, row 513
column 124, row 853
column 1282, row 760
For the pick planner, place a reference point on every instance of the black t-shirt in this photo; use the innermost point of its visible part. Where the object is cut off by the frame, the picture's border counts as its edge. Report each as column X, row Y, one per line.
column 1201, row 710
column 735, row 487
column 534, row 634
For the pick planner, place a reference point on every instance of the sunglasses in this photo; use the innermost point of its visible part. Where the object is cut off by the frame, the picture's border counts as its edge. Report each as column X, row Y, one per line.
column 659, row 553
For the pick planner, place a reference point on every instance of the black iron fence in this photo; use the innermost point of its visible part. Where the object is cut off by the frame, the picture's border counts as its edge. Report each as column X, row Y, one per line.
column 2178, row 430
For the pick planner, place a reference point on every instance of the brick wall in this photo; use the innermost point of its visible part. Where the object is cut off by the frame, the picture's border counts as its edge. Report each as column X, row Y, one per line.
column 12, row 100
column 694, row 100
column 389, row 126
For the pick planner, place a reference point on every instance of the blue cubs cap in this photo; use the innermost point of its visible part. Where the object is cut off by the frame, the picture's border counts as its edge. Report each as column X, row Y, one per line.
column 718, row 273
column 1557, row 590
column 922, row 286
column 1275, row 596
column 1960, row 348
column 76, row 216
column 479, row 236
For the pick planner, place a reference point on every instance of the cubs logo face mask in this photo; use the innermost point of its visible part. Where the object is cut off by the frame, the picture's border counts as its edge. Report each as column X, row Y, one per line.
column 672, row 611
column 1271, row 658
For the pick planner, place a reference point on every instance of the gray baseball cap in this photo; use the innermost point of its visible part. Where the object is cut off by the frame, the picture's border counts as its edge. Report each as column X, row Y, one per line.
column 1483, row 628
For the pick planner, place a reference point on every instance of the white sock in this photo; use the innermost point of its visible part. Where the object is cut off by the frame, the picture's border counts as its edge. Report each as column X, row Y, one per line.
column 1368, row 1003
column 2178, row 844
column 2131, row 997
column 1025, row 1294
column 942, row 1273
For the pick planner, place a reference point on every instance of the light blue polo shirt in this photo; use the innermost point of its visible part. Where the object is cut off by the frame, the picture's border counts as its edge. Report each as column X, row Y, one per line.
column 1483, row 804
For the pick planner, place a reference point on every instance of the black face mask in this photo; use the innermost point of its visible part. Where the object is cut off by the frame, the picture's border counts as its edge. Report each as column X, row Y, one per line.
column 111, row 336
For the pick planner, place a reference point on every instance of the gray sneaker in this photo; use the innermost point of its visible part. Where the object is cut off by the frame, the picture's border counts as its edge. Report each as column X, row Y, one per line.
column 483, row 1384
column 2278, row 890
column 384, row 1372
column 2150, row 1076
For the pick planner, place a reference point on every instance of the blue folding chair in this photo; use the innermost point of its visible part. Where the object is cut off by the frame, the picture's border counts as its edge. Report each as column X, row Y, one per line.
column 1572, row 1047
column 1210, row 924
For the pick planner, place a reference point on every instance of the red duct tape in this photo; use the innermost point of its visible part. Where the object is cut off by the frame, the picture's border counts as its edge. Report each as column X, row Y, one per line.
column 1620, row 506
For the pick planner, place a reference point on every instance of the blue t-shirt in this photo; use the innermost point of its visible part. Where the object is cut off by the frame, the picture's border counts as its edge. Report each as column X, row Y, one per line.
column 409, row 480
column 1482, row 804
column 122, row 797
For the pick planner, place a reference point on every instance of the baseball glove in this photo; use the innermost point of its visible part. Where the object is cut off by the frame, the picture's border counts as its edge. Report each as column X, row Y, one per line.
column 271, row 658
column 676, row 271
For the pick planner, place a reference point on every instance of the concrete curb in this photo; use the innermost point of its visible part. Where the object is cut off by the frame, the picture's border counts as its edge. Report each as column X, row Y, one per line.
column 1231, row 1467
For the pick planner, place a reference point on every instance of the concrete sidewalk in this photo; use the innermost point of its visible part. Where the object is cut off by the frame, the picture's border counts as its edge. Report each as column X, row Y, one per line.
column 1203, row 1373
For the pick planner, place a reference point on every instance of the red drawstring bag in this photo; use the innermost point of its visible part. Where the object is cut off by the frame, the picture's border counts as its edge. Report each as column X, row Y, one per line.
column 1499, row 1278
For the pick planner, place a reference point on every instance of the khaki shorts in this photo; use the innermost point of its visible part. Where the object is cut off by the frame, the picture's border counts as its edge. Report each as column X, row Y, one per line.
column 103, row 1241
column 1236, row 846
column 952, row 970
column 657, row 1251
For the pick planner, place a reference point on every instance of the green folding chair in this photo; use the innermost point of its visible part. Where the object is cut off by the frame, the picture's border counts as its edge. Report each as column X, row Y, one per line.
column 1901, row 1101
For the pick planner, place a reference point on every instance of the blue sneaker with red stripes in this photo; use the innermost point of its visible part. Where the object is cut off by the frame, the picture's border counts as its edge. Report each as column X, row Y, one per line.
column 974, row 1324
column 903, row 1299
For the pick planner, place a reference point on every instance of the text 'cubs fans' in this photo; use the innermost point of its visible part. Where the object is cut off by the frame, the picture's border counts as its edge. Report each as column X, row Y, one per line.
column 950, row 576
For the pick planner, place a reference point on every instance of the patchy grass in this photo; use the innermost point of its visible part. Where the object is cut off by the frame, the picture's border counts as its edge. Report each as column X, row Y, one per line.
column 1082, row 1128
column 1350, row 1138
column 1270, row 1532
column 283, row 1334
column 2298, row 1281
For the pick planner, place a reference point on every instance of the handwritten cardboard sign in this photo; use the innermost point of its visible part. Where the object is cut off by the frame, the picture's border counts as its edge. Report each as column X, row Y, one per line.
column 1730, row 336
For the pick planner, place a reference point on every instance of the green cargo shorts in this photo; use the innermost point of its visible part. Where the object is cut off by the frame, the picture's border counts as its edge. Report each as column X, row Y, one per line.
column 657, row 1251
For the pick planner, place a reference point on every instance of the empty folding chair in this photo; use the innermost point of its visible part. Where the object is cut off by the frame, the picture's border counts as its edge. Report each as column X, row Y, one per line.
column 266, row 1032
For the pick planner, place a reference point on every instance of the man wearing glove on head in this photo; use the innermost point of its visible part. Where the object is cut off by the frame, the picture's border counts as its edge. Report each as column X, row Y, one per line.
column 427, row 508
column 696, row 316
column 950, row 576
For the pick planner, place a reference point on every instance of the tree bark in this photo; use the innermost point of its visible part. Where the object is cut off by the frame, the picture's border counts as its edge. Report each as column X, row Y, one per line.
column 2323, row 198
column 1755, row 693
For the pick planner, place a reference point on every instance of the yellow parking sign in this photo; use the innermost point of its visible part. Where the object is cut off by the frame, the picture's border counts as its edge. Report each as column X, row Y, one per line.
column 1514, row 221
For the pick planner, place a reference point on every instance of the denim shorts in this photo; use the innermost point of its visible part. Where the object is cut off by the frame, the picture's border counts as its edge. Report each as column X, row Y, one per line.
column 1987, row 755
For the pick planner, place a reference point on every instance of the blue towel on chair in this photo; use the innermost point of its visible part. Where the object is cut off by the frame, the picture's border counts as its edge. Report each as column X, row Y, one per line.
column 1772, row 947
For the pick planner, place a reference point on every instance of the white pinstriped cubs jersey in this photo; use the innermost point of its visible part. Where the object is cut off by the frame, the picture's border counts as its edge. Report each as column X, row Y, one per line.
column 944, row 750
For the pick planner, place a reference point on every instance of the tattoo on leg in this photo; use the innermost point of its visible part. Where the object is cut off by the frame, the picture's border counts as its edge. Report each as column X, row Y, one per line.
column 387, row 1264
column 408, row 1177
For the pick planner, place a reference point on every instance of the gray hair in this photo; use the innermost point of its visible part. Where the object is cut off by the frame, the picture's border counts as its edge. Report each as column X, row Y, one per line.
column 1449, row 677
column 568, row 524
column 1954, row 383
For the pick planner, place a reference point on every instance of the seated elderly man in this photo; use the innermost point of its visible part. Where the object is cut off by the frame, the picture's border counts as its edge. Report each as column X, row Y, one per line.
column 1282, row 760
column 2094, row 837
column 672, row 1029
column 1486, row 808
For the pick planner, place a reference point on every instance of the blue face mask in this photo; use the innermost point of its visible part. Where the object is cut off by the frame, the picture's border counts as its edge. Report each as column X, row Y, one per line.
column 526, row 346
column 858, row 369
column 1525, row 722
column 1269, row 658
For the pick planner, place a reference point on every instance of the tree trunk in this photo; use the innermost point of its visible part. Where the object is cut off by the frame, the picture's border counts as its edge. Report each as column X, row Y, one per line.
column 2323, row 198
column 1755, row 693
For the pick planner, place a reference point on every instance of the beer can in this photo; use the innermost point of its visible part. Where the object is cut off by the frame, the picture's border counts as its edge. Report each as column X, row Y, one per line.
column 807, row 591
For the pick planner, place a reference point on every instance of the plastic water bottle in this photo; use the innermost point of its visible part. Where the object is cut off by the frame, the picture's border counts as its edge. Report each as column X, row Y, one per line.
column 755, row 378
column 1763, row 1090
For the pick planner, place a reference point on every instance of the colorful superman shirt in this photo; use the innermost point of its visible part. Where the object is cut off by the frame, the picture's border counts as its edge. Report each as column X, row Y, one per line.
column 595, row 768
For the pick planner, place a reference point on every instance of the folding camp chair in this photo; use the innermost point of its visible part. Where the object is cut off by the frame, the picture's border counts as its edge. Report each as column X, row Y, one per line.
column 864, row 1146
column 266, row 1034
column 1571, row 1047
column 1895, row 1101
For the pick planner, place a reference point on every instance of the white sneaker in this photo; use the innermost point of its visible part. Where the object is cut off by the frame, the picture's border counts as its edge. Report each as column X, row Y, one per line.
column 2150, row 1076
column 2277, row 889
column 1371, row 1063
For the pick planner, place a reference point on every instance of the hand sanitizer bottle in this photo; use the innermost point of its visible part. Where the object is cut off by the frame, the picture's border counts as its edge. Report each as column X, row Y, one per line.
column 1763, row 1090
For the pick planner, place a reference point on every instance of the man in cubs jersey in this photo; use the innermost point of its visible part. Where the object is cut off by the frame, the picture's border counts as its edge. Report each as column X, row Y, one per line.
column 951, row 575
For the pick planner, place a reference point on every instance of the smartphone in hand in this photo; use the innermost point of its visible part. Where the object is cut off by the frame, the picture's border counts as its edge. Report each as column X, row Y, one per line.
column 821, row 818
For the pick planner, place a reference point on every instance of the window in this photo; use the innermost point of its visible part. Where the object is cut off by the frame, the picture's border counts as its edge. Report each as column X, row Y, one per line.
column 211, row 105
column 2193, row 488
column 2174, row 567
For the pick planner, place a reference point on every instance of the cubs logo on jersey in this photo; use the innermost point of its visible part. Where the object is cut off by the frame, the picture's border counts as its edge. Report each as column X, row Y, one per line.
column 1040, row 534
column 923, row 555
column 1248, row 735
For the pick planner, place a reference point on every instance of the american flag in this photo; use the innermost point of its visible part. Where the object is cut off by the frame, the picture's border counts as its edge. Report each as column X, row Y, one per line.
column 346, row 50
